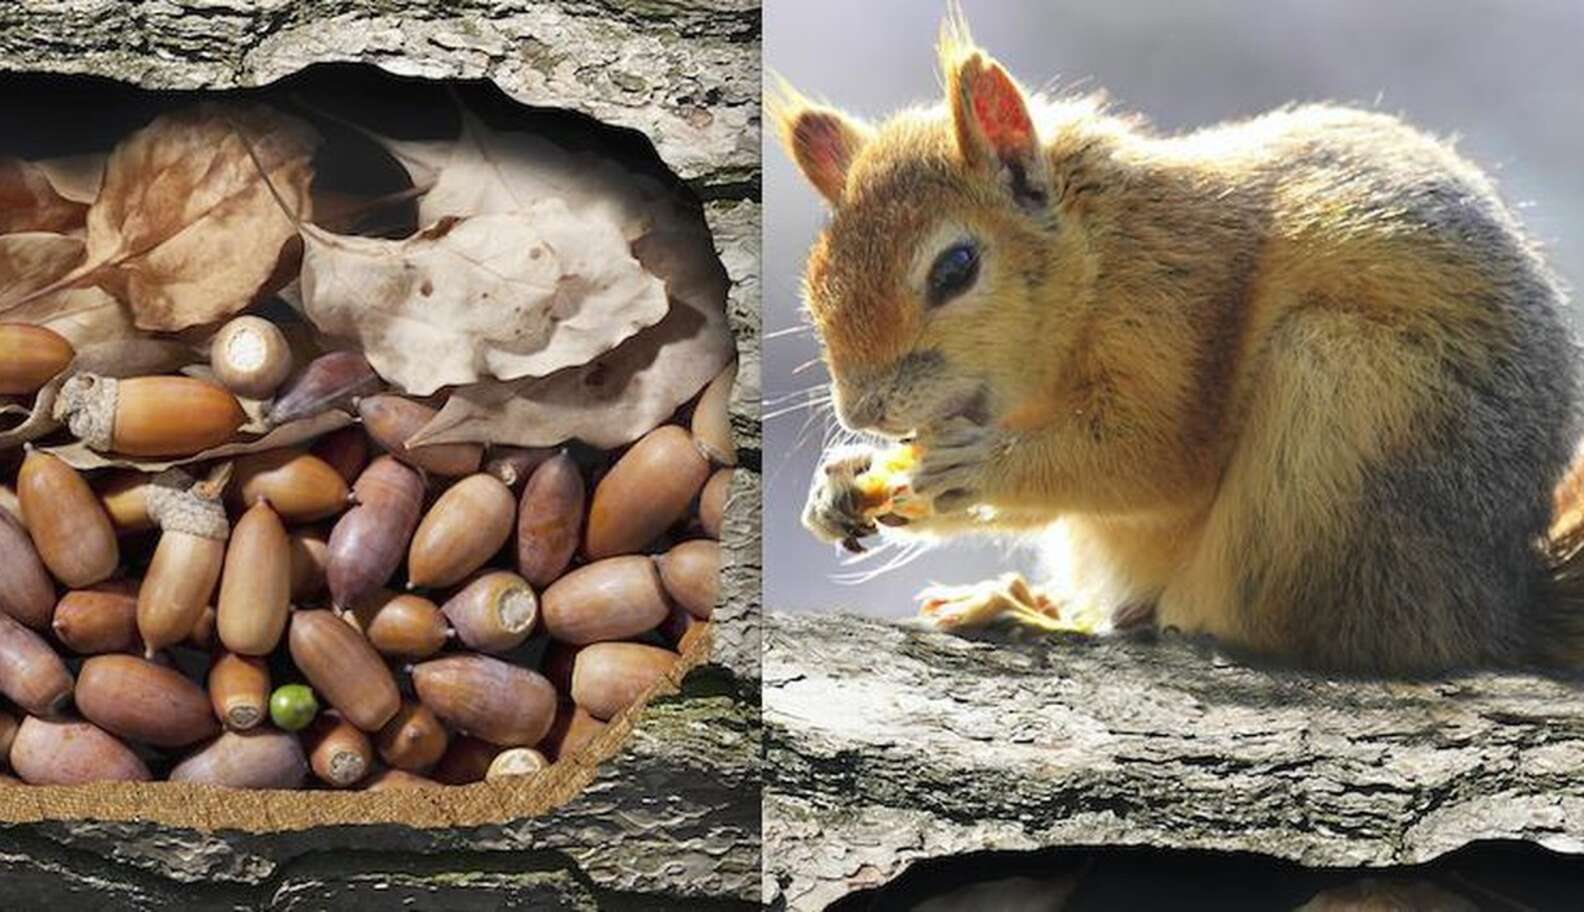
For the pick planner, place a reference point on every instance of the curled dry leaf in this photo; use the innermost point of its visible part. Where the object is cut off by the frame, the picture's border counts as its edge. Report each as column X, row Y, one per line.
column 623, row 394
column 494, row 296
column 48, row 195
column 184, row 229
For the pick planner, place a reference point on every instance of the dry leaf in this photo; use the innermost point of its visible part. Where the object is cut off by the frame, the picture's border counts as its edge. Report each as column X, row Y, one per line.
column 185, row 229
column 623, row 394
column 501, row 296
column 123, row 357
column 79, row 456
column 45, row 196
column 31, row 260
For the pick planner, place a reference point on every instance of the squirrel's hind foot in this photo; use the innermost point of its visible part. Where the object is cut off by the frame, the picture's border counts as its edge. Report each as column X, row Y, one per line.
column 1008, row 599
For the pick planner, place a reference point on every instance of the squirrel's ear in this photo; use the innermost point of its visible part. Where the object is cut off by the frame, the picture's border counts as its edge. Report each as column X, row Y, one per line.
column 822, row 140
column 991, row 117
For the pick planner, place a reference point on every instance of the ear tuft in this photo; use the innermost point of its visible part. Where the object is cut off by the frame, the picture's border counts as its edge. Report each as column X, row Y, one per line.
column 822, row 140
column 990, row 114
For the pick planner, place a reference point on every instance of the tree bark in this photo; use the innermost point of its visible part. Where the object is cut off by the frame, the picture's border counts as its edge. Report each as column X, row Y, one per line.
column 673, row 821
column 887, row 746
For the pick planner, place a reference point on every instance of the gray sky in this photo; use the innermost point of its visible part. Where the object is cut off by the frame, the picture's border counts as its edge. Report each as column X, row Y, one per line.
column 1504, row 75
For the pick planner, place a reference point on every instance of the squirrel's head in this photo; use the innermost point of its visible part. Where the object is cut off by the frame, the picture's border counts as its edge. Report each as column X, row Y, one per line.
column 952, row 246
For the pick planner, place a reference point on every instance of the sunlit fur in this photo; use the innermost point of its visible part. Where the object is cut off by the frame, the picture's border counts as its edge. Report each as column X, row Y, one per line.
column 1299, row 381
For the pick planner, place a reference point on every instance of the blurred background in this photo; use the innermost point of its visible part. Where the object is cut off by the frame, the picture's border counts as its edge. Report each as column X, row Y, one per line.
column 1506, row 76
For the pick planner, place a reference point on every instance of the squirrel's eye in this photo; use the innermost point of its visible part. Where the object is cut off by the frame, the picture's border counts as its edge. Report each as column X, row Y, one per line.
column 952, row 273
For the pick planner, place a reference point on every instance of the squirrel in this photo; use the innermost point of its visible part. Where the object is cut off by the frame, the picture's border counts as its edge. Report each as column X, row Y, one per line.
column 1299, row 383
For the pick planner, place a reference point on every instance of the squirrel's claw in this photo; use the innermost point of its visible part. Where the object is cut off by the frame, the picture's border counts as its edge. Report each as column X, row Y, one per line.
column 951, row 469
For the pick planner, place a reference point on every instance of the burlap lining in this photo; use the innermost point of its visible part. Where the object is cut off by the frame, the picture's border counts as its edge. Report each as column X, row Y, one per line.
column 206, row 807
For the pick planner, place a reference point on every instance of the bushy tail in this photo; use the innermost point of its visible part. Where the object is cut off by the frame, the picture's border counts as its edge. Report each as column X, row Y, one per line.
column 1560, row 634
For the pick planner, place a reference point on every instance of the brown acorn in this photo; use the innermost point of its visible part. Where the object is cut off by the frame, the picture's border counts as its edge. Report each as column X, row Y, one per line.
column 502, row 703
column 338, row 753
column 261, row 758
column 648, row 490
column 148, row 416
column 50, row 752
column 404, row 626
column 255, row 589
column 516, row 761
column 690, row 572
column 712, row 503
column 514, row 465
column 250, row 356
column 67, row 523
column 413, row 739
column 8, row 730
column 124, row 495
column 369, row 540
column 310, row 558
column 345, row 450
column 494, row 613
column 11, row 506
column 29, row 357
column 202, row 637
column 549, row 520
column 397, row 780
column 136, row 699
column 329, row 381
column 611, row 599
column 392, row 420
column 300, row 487
column 574, row 729
column 239, row 690
column 466, row 526
column 187, row 561
column 31, row 675
column 610, row 677
column 712, row 432
column 343, row 668
column 98, row 620
column 466, row 760
column 26, row 591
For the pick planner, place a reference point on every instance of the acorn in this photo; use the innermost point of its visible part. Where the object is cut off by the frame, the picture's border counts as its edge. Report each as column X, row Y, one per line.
column 31, row 675
column 250, row 356
column 328, row 382
column 11, row 506
column 611, row 599
column 300, row 487
column 369, row 540
column 345, row 450
column 397, row 780
column 516, row 761
column 338, row 753
column 404, row 626
column 124, row 495
column 648, row 490
column 690, row 573
column 30, row 356
column 502, row 703
column 148, row 416
column 293, row 707
column 574, row 729
column 239, row 690
column 310, row 558
column 413, row 739
column 549, row 520
column 260, row 758
column 466, row 526
column 8, row 730
column 65, row 752
column 712, row 503
column 393, row 420
column 202, row 637
column 67, row 523
column 187, row 561
column 712, row 432
column 514, row 465
column 255, row 589
column 138, row 700
column 26, row 591
column 609, row 677
column 494, row 613
column 343, row 668
column 466, row 760
column 98, row 620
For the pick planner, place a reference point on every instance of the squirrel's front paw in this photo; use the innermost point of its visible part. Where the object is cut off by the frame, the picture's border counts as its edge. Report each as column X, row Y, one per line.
column 951, row 470
column 835, row 511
